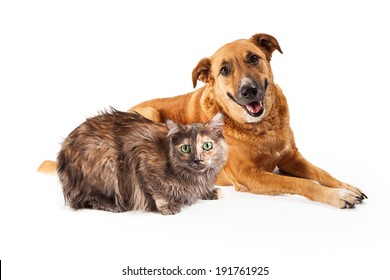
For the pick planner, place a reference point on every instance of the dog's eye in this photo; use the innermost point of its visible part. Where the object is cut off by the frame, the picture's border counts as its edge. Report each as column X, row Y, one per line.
column 224, row 71
column 254, row 59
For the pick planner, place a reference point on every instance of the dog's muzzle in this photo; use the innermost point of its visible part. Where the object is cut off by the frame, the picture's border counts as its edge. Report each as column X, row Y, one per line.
column 251, row 96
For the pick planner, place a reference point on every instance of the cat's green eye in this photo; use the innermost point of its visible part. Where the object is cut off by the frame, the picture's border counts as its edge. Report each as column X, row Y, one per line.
column 207, row 146
column 185, row 148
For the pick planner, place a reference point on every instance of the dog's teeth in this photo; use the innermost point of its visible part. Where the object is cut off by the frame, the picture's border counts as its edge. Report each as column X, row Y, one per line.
column 254, row 107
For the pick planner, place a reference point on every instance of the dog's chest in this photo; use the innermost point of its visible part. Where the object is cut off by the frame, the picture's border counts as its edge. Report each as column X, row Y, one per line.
column 271, row 148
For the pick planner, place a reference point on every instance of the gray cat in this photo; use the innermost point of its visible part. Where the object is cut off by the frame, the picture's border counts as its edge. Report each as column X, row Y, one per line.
column 121, row 161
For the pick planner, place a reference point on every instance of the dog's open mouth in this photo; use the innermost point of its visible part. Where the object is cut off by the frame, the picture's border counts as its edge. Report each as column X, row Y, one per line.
column 255, row 108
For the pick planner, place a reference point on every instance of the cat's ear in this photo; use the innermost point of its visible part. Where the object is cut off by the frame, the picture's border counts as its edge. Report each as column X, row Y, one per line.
column 172, row 127
column 216, row 122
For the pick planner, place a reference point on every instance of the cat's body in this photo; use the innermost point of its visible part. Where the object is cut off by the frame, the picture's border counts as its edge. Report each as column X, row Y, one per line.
column 120, row 161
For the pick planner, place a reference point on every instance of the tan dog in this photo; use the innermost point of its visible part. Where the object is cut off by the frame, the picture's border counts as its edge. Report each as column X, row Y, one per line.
column 239, row 82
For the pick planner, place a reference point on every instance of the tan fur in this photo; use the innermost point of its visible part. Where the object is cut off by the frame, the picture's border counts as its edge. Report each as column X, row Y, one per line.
column 256, row 145
column 47, row 166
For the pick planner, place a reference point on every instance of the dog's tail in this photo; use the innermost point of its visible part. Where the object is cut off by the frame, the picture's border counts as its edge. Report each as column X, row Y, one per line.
column 48, row 166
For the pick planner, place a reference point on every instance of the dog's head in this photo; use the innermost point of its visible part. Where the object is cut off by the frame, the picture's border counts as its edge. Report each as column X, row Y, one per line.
column 241, row 76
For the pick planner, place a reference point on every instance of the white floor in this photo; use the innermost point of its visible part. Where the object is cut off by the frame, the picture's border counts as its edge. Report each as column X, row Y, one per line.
column 61, row 63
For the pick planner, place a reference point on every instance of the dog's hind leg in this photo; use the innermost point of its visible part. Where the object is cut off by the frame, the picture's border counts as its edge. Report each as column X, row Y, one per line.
column 150, row 113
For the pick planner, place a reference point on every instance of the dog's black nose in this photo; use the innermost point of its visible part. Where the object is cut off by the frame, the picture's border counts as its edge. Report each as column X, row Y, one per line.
column 248, row 91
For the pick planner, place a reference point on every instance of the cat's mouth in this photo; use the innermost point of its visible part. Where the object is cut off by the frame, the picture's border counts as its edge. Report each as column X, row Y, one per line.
column 255, row 108
column 198, row 168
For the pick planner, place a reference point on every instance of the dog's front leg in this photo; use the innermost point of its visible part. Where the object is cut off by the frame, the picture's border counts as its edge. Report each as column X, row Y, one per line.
column 297, row 165
column 262, row 182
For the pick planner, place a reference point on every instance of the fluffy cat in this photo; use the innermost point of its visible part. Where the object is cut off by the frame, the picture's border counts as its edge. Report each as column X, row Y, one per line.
column 121, row 161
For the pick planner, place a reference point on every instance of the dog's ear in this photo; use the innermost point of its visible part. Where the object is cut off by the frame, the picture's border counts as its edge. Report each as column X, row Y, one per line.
column 202, row 71
column 267, row 43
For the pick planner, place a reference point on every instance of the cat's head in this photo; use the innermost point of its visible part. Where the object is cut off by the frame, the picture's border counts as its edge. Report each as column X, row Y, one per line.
column 197, row 146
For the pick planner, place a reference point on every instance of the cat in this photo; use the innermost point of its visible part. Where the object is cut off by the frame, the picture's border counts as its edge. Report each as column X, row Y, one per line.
column 122, row 161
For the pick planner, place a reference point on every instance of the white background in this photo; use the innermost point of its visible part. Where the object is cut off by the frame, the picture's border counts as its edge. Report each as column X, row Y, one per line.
column 62, row 61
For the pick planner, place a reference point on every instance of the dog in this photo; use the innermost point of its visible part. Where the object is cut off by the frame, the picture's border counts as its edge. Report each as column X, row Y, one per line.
column 239, row 83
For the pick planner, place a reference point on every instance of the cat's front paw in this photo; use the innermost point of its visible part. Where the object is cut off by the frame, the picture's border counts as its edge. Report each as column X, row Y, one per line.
column 213, row 194
column 170, row 209
column 217, row 193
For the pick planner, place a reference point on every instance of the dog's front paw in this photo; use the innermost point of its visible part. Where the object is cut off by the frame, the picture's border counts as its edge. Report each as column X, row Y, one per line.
column 354, row 190
column 343, row 198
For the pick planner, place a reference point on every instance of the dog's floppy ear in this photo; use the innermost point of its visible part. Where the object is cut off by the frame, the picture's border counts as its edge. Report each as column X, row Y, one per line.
column 267, row 43
column 202, row 71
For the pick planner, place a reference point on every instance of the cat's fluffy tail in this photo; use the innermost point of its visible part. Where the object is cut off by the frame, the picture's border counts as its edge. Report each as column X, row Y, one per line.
column 48, row 166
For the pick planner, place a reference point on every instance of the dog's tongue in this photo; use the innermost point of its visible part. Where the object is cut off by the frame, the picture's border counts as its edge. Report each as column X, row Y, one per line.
column 254, row 107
